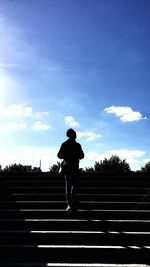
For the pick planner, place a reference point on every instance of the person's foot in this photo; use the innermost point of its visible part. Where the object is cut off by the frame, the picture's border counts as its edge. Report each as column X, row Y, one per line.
column 68, row 208
column 75, row 204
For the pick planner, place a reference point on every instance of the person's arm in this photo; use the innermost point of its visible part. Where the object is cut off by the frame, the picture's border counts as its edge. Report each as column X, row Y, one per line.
column 81, row 153
column 60, row 154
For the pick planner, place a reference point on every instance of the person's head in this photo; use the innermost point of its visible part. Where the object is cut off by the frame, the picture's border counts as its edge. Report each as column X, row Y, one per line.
column 71, row 134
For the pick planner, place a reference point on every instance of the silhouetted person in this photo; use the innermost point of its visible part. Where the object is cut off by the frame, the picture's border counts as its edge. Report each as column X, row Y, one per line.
column 71, row 152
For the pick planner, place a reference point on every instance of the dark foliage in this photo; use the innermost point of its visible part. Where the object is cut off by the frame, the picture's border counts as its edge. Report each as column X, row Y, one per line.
column 19, row 168
column 146, row 168
column 114, row 164
column 55, row 168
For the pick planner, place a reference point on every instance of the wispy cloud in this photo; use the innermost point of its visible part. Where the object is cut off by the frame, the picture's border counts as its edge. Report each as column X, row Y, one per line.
column 38, row 125
column 41, row 114
column 71, row 121
column 14, row 125
column 16, row 110
column 8, row 65
column 21, row 110
column 14, row 42
column 20, row 116
column 90, row 136
column 20, row 52
column 54, row 67
column 126, row 114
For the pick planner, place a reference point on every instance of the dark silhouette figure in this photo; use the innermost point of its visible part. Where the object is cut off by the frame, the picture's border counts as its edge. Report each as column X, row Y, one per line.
column 71, row 152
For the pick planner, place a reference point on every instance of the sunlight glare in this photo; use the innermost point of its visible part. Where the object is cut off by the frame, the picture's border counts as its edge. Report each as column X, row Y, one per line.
column 8, row 88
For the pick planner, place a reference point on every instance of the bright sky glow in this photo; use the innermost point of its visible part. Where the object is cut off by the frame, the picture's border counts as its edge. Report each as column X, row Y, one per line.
column 82, row 64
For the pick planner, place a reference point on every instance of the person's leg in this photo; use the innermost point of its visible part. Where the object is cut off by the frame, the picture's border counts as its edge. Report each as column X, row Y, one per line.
column 74, row 189
column 68, row 189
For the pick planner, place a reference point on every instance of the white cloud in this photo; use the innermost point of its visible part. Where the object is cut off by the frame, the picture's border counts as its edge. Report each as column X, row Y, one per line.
column 14, row 126
column 129, row 155
column 91, row 156
column 71, row 121
column 38, row 125
column 17, row 112
column 126, row 114
column 122, row 153
column 146, row 160
column 90, row 136
column 133, row 157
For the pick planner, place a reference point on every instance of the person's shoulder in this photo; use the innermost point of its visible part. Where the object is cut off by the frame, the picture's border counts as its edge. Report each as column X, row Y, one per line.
column 65, row 143
column 78, row 144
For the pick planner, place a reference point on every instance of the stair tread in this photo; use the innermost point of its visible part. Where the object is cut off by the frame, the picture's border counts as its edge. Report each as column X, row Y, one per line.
column 111, row 224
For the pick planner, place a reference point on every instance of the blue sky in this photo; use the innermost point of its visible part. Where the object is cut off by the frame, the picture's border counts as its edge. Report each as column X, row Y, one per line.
column 83, row 64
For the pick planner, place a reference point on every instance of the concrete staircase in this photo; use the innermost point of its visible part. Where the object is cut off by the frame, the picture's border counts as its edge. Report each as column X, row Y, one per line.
column 111, row 225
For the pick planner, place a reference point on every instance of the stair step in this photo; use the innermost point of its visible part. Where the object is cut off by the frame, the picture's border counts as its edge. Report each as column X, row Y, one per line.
column 76, row 254
column 80, row 214
column 50, row 264
column 74, row 225
column 77, row 238
column 110, row 226
column 81, row 197
column 83, row 190
column 82, row 205
column 81, row 183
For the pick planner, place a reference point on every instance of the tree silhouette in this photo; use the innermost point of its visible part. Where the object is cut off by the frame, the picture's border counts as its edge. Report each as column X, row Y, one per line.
column 15, row 168
column 114, row 164
column 89, row 169
column 146, row 168
column 55, row 167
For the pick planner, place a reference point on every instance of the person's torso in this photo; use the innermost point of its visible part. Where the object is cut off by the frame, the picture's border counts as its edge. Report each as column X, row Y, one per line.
column 71, row 151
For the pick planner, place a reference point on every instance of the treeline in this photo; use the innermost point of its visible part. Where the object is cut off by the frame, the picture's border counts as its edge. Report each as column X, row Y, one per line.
column 19, row 168
column 113, row 165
